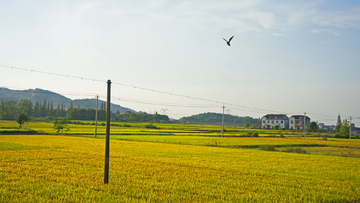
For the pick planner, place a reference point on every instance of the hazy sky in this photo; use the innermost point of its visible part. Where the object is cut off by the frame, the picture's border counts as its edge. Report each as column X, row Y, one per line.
column 286, row 57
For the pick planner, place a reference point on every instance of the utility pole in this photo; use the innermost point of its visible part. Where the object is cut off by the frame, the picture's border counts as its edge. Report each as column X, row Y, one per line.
column 350, row 129
column 164, row 111
column 228, row 111
column 107, row 142
column 222, row 130
column 304, row 123
column 97, row 98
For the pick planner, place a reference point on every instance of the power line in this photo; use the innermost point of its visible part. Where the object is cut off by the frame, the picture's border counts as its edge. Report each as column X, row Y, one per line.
column 165, row 104
column 141, row 88
column 50, row 73
column 233, row 106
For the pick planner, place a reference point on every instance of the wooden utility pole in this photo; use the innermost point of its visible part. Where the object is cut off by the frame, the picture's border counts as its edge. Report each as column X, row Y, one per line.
column 350, row 129
column 107, row 142
column 222, row 130
column 304, row 123
column 97, row 98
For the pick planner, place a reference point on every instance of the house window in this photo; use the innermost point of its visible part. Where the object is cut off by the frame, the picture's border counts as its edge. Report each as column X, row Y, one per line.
column 267, row 121
column 292, row 122
column 272, row 122
column 263, row 121
column 282, row 122
column 277, row 121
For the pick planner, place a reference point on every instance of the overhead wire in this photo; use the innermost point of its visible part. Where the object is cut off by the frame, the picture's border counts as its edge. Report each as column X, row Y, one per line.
column 140, row 88
column 232, row 106
column 165, row 104
column 50, row 73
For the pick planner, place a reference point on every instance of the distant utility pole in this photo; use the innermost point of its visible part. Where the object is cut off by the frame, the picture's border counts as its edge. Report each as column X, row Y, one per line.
column 164, row 111
column 304, row 123
column 228, row 111
column 97, row 98
column 350, row 129
column 107, row 142
column 222, row 130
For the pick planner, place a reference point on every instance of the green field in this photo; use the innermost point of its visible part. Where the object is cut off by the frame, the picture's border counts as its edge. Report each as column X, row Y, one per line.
column 175, row 163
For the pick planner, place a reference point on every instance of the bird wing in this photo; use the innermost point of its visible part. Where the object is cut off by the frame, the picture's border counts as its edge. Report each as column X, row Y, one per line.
column 225, row 40
column 231, row 38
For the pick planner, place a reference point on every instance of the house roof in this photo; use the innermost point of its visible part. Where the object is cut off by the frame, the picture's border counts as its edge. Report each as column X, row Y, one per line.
column 299, row 117
column 275, row 116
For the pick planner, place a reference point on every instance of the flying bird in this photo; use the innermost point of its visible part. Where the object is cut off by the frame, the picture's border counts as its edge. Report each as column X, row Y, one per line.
column 228, row 42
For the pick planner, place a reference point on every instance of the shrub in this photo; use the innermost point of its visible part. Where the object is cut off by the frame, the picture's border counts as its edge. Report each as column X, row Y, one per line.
column 151, row 126
column 295, row 150
column 61, row 125
column 254, row 134
column 337, row 135
column 49, row 118
column 267, row 148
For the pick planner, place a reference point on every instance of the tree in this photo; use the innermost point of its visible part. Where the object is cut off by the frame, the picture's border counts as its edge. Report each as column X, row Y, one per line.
column 2, row 109
column 255, row 126
column 48, row 109
column 10, row 110
column 51, row 110
column 36, row 109
column 25, row 106
column 21, row 118
column 57, row 112
column 101, row 115
column 344, row 129
column 43, row 111
column 61, row 125
column 313, row 126
column 62, row 110
column 338, row 123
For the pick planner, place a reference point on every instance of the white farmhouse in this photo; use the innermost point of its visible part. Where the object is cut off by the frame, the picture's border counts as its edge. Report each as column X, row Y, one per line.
column 279, row 121
column 296, row 122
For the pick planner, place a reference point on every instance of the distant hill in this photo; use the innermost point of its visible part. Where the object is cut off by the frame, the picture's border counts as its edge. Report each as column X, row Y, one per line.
column 216, row 118
column 37, row 95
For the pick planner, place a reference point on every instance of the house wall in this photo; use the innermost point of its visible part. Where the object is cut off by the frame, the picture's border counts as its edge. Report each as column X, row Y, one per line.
column 270, row 123
column 298, row 124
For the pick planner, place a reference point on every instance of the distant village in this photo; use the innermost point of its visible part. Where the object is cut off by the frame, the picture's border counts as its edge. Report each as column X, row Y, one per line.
column 295, row 122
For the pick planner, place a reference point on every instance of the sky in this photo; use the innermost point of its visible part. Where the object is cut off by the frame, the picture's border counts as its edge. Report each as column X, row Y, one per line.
column 286, row 57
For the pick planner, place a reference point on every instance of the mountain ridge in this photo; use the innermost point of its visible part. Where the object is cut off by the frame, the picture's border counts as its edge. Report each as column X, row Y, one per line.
column 38, row 95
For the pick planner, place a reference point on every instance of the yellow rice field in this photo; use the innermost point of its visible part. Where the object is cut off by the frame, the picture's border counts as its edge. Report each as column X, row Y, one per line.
column 48, row 168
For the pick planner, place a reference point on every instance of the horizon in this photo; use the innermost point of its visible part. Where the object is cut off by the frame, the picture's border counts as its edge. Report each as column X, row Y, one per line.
column 285, row 57
column 179, row 117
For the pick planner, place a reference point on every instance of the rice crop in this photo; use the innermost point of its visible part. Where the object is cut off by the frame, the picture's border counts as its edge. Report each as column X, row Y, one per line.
column 47, row 168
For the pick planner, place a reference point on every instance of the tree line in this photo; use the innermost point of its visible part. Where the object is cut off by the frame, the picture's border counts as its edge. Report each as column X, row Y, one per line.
column 143, row 117
column 215, row 118
column 10, row 109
